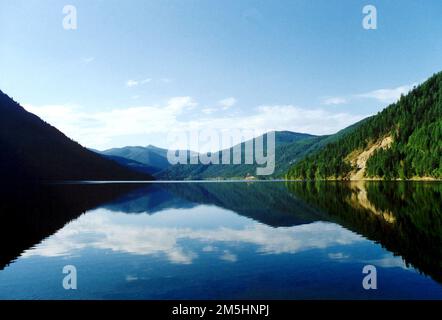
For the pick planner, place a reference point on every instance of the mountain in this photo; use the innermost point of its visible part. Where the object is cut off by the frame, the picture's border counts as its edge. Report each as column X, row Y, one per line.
column 149, row 199
column 289, row 154
column 396, row 215
column 404, row 141
column 30, row 213
column 34, row 150
column 289, row 148
column 133, row 165
column 149, row 159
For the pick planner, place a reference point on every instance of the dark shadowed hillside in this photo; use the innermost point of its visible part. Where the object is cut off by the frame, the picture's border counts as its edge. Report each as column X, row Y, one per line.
column 30, row 213
column 31, row 149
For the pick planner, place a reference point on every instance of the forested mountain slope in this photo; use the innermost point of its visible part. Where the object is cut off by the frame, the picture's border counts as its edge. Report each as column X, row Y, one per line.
column 289, row 147
column 402, row 141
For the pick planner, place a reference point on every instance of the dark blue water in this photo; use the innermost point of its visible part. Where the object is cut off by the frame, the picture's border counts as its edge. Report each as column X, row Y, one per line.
column 268, row 240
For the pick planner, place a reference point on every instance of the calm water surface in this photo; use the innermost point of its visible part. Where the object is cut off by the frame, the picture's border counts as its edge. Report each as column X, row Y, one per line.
column 272, row 240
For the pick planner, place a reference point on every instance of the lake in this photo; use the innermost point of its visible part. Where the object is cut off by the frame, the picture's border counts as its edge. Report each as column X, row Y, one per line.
column 222, row 240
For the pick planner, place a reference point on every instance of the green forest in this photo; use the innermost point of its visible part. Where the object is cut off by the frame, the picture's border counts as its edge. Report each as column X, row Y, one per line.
column 415, row 124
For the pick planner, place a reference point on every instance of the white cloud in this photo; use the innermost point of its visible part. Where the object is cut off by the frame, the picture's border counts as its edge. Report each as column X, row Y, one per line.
column 338, row 256
column 132, row 83
column 179, row 104
column 102, row 229
column 334, row 101
column 209, row 248
column 209, row 110
column 228, row 256
column 387, row 95
column 389, row 261
column 227, row 103
column 100, row 129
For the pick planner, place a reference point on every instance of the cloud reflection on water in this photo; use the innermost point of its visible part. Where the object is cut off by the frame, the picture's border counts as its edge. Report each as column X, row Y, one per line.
column 149, row 235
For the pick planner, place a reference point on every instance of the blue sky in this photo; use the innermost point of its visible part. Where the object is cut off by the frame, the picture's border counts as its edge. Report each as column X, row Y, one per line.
column 134, row 70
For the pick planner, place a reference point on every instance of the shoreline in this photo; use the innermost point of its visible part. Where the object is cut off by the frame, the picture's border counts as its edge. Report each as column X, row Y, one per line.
column 233, row 181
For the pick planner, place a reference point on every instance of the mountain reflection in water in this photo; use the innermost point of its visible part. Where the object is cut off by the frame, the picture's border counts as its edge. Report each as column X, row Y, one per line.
column 222, row 240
